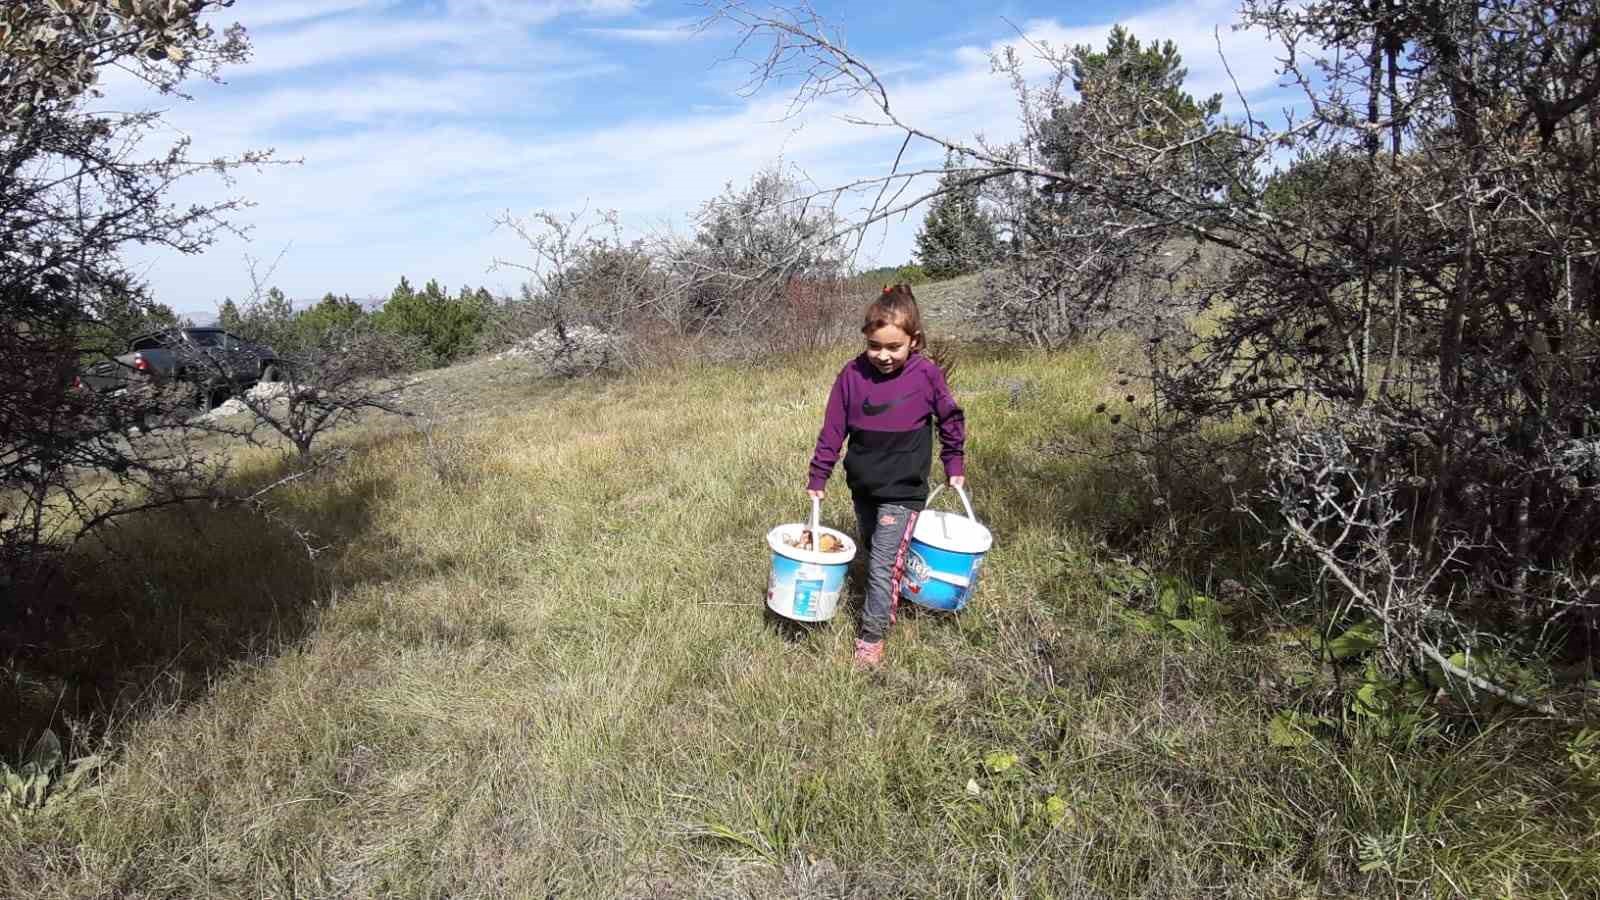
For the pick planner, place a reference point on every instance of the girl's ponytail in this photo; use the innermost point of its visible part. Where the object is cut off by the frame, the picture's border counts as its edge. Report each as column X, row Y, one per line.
column 896, row 306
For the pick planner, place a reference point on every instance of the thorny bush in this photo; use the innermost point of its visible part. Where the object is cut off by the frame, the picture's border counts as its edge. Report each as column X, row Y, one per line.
column 1410, row 319
column 76, row 187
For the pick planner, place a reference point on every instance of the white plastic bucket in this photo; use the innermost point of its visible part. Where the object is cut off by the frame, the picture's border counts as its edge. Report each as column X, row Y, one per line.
column 805, row 584
column 945, row 556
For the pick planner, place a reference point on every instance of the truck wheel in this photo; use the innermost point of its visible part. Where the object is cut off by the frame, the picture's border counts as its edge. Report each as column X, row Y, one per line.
column 194, row 394
column 196, row 398
column 217, row 393
column 271, row 373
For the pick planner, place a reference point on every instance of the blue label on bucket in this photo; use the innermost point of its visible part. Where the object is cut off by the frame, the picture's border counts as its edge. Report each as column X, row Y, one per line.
column 805, row 596
column 941, row 579
column 806, row 591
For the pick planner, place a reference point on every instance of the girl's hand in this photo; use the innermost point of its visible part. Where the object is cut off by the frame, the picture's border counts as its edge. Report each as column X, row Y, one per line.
column 958, row 482
column 815, row 495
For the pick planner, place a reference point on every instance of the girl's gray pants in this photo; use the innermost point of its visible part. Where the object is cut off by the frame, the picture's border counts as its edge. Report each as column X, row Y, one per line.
column 883, row 528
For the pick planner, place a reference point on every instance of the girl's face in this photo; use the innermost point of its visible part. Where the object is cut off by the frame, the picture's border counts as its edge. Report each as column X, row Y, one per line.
column 888, row 348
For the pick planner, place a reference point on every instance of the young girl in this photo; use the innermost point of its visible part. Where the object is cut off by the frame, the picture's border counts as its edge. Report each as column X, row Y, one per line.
column 883, row 402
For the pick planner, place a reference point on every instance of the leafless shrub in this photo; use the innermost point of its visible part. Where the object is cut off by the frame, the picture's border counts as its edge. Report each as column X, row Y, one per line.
column 1343, row 505
column 812, row 313
column 587, row 286
column 1423, row 279
column 335, row 380
column 765, row 259
column 332, row 376
column 761, row 273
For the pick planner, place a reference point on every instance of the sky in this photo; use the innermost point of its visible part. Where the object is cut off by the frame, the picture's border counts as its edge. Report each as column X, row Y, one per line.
column 413, row 124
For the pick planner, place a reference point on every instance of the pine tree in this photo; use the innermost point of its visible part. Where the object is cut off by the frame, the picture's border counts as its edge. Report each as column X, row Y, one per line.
column 270, row 320
column 330, row 318
column 957, row 237
column 446, row 327
column 1072, row 270
column 277, row 307
column 228, row 316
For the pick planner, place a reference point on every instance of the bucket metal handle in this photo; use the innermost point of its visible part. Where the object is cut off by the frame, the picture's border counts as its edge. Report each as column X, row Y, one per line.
column 816, row 516
column 959, row 493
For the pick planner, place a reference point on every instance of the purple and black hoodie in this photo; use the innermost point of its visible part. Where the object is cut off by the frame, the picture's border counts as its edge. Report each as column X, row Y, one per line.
column 886, row 419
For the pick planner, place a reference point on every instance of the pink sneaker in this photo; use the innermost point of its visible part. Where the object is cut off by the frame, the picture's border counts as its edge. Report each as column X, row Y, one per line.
column 869, row 654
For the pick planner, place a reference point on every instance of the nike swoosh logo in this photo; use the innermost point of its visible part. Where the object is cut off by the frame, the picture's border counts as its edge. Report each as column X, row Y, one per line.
column 873, row 409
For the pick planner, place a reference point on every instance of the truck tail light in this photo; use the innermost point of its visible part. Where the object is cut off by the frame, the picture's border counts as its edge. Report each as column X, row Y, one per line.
column 140, row 363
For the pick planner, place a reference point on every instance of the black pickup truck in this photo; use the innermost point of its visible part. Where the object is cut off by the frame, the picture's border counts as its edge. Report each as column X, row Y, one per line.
column 216, row 363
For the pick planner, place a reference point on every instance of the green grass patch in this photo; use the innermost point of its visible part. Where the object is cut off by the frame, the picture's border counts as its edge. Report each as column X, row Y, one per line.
column 535, row 662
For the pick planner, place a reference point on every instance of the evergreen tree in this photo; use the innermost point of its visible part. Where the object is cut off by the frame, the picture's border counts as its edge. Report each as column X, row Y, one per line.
column 228, row 316
column 1157, row 69
column 121, row 313
column 1138, row 87
column 957, row 237
column 1070, row 269
column 115, row 314
column 277, row 307
column 269, row 320
column 447, row 327
column 332, row 315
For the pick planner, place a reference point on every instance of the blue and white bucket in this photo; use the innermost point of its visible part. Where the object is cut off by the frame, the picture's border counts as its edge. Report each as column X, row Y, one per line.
column 805, row 584
column 945, row 556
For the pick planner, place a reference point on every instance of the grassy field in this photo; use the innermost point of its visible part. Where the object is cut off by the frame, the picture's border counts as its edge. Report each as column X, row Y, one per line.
column 534, row 662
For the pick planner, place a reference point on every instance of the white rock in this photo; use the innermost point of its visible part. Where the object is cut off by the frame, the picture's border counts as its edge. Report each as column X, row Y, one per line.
column 268, row 390
column 586, row 348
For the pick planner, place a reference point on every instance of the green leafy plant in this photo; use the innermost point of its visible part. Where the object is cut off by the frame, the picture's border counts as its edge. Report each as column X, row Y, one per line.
column 1000, row 762
column 44, row 778
column 1193, row 615
column 1056, row 812
column 1583, row 754
column 1392, row 706
column 1362, row 637
column 1379, row 851
column 1529, row 677
column 1291, row 729
column 1011, row 798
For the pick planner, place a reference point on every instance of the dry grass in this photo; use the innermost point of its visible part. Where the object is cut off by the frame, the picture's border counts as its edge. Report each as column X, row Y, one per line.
column 541, row 668
column 942, row 304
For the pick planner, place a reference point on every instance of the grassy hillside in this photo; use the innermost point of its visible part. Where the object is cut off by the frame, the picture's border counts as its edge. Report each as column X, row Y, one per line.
column 534, row 662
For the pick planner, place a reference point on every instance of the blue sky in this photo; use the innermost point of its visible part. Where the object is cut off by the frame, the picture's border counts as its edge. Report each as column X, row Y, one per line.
column 419, row 121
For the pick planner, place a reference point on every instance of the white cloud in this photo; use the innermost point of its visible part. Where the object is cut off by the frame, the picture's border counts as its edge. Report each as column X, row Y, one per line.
column 378, row 98
column 355, row 39
column 673, row 31
column 420, row 162
column 1199, row 30
column 537, row 11
column 261, row 14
